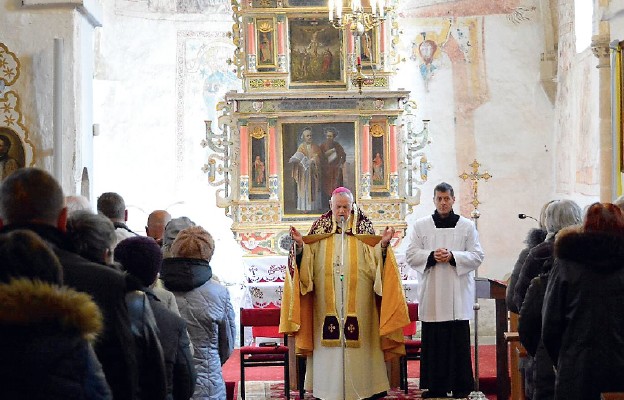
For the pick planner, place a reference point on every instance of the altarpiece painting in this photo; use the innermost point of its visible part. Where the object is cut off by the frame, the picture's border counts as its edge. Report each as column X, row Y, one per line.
column 317, row 158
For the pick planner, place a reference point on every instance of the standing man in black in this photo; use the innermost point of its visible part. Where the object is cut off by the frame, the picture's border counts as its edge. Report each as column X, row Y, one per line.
column 31, row 199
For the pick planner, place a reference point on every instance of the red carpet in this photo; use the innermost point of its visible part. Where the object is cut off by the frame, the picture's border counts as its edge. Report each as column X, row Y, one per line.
column 487, row 373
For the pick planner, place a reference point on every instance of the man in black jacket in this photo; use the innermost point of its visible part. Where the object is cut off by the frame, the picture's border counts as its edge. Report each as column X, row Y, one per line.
column 32, row 199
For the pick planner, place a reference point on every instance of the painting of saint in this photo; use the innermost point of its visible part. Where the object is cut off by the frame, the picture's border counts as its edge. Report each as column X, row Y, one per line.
column 316, row 158
column 305, row 171
column 265, row 49
column 378, row 170
column 333, row 158
column 11, row 152
column 259, row 172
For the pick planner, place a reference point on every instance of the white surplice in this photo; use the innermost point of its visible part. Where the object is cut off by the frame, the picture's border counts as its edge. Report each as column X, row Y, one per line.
column 447, row 292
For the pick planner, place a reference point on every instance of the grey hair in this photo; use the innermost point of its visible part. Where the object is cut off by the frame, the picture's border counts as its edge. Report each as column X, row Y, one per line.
column 77, row 203
column 112, row 205
column 542, row 217
column 91, row 234
column 561, row 214
column 347, row 194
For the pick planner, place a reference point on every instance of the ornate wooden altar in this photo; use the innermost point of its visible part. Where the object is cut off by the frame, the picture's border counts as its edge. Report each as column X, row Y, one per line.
column 317, row 111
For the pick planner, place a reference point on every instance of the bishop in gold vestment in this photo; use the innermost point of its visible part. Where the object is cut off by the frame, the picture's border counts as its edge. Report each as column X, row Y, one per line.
column 344, row 303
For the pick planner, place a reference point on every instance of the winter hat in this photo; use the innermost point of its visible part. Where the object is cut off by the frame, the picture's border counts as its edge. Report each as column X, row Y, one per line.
column 141, row 257
column 173, row 227
column 193, row 242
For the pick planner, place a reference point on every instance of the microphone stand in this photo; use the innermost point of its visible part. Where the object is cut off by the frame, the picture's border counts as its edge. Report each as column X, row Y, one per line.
column 343, row 343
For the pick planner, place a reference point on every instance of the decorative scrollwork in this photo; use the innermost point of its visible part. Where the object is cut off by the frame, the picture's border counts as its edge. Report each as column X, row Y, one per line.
column 220, row 167
column 415, row 163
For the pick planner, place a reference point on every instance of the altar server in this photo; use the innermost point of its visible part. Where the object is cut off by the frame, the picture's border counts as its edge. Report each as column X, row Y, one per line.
column 444, row 248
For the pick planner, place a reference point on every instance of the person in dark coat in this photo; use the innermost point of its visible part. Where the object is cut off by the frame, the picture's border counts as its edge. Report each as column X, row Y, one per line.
column 534, row 237
column 141, row 257
column 583, row 323
column 46, row 331
column 205, row 305
column 559, row 214
column 530, row 331
column 94, row 236
column 32, row 199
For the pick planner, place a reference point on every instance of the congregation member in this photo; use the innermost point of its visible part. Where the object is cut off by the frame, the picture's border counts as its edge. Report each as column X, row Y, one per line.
column 156, row 223
column 205, row 305
column 583, row 323
column 93, row 236
column 534, row 237
column 444, row 249
column 113, row 206
column 172, row 228
column 539, row 376
column 142, row 258
column 46, row 331
column 77, row 203
column 559, row 214
column 32, row 199
column 330, row 303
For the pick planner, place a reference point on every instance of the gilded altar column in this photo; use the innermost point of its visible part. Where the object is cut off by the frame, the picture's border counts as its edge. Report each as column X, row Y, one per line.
column 251, row 46
column 243, row 184
column 393, row 155
column 273, row 178
column 281, row 44
column 600, row 48
column 365, row 180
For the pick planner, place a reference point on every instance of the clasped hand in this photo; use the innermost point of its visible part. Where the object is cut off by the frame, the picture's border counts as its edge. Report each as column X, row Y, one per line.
column 442, row 255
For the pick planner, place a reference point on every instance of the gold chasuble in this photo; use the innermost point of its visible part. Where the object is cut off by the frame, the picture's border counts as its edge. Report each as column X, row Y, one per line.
column 350, row 277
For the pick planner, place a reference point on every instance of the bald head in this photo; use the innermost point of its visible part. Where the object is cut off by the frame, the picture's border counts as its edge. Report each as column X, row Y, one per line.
column 31, row 195
column 156, row 223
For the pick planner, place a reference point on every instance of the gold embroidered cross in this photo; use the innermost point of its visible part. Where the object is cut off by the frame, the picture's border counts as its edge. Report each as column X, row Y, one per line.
column 331, row 327
column 351, row 328
column 474, row 176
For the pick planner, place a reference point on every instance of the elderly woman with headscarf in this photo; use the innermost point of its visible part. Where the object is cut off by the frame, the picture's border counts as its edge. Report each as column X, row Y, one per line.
column 205, row 305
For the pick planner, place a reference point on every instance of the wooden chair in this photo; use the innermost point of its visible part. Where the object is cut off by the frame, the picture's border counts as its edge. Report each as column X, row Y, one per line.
column 261, row 355
column 412, row 347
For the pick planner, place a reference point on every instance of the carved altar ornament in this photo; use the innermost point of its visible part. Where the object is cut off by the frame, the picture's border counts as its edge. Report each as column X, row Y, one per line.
column 15, row 143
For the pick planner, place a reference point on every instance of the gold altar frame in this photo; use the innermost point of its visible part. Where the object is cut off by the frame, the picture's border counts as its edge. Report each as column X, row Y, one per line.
column 316, row 53
column 290, row 139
